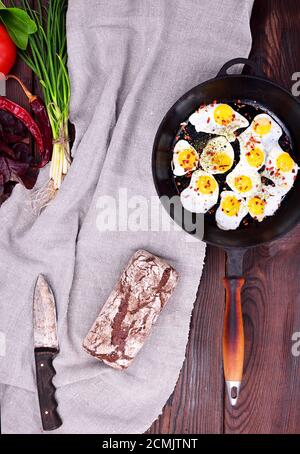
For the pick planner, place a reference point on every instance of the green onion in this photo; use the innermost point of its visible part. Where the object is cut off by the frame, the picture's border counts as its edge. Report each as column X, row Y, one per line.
column 46, row 55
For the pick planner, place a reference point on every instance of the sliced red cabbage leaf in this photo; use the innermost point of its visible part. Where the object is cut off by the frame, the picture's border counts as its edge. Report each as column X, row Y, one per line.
column 17, row 159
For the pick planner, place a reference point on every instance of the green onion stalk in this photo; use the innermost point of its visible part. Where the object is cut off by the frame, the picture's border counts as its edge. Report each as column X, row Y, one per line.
column 46, row 55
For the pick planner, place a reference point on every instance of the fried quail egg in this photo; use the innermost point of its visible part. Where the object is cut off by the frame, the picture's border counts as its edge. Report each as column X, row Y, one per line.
column 185, row 158
column 263, row 132
column 201, row 194
column 217, row 156
column 231, row 211
column 263, row 204
column 218, row 119
column 252, row 154
column 281, row 169
column 243, row 180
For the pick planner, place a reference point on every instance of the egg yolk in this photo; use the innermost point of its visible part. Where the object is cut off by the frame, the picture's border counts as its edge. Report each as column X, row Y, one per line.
column 284, row 162
column 231, row 206
column 255, row 157
column 256, row 206
column 187, row 159
column 262, row 126
column 243, row 183
column 223, row 114
column 221, row 162
column 206, row 184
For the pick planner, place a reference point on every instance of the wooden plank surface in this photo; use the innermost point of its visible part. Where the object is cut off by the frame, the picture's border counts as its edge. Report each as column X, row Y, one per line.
column 197, row 403
column 270, row 396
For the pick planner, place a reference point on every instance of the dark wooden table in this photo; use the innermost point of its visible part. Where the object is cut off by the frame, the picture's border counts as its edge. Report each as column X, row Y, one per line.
column 270, row 396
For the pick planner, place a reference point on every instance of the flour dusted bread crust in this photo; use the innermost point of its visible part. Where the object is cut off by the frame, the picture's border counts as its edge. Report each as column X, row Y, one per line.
column 132, row 308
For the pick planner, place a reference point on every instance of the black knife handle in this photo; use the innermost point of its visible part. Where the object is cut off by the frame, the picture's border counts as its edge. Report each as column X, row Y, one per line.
column 46, row 390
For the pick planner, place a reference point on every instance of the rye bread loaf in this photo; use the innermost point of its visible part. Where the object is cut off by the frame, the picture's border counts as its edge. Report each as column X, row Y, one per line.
column 132, row 308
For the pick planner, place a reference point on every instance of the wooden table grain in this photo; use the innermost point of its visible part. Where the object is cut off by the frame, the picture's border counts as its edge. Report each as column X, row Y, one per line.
column 270, row 395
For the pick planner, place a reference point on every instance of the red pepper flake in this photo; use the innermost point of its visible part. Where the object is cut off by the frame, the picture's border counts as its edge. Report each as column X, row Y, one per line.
column 208, row 120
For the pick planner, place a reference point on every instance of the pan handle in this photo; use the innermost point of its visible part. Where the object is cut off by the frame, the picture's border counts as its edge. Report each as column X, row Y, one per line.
column 233, row 335
column 238, row 61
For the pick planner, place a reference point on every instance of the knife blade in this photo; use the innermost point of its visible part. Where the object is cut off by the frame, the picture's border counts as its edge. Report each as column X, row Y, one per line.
column 46, row 348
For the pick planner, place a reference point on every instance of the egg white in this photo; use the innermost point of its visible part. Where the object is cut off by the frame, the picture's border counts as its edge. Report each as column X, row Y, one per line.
column 243, row 170
column 283, row 181
column 213, row 147
column 203, row 121
column 226, row 222
column 193, row 200
column 180, row 146
column 248, row 147
column 267, row 141
column 272, row 202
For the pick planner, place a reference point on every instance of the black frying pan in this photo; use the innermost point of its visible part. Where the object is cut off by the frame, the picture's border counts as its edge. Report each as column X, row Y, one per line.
column 285, row 109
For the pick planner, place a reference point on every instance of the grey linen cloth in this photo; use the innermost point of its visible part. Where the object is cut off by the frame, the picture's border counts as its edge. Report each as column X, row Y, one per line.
column 129, row 61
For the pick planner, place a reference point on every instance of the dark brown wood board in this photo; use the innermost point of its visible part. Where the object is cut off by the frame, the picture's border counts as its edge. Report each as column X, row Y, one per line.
column 270, row 395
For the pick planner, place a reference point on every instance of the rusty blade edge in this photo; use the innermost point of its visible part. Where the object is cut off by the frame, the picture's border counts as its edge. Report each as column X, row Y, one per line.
column 44, row 315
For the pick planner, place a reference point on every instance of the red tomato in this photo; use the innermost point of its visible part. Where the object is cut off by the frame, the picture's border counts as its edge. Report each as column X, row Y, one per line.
column 8, row 51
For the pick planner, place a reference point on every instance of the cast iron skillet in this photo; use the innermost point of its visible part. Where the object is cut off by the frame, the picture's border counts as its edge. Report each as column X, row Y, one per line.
column 285, row 109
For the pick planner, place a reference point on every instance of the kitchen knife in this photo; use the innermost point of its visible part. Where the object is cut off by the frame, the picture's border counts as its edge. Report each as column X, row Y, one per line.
column 45, row 349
